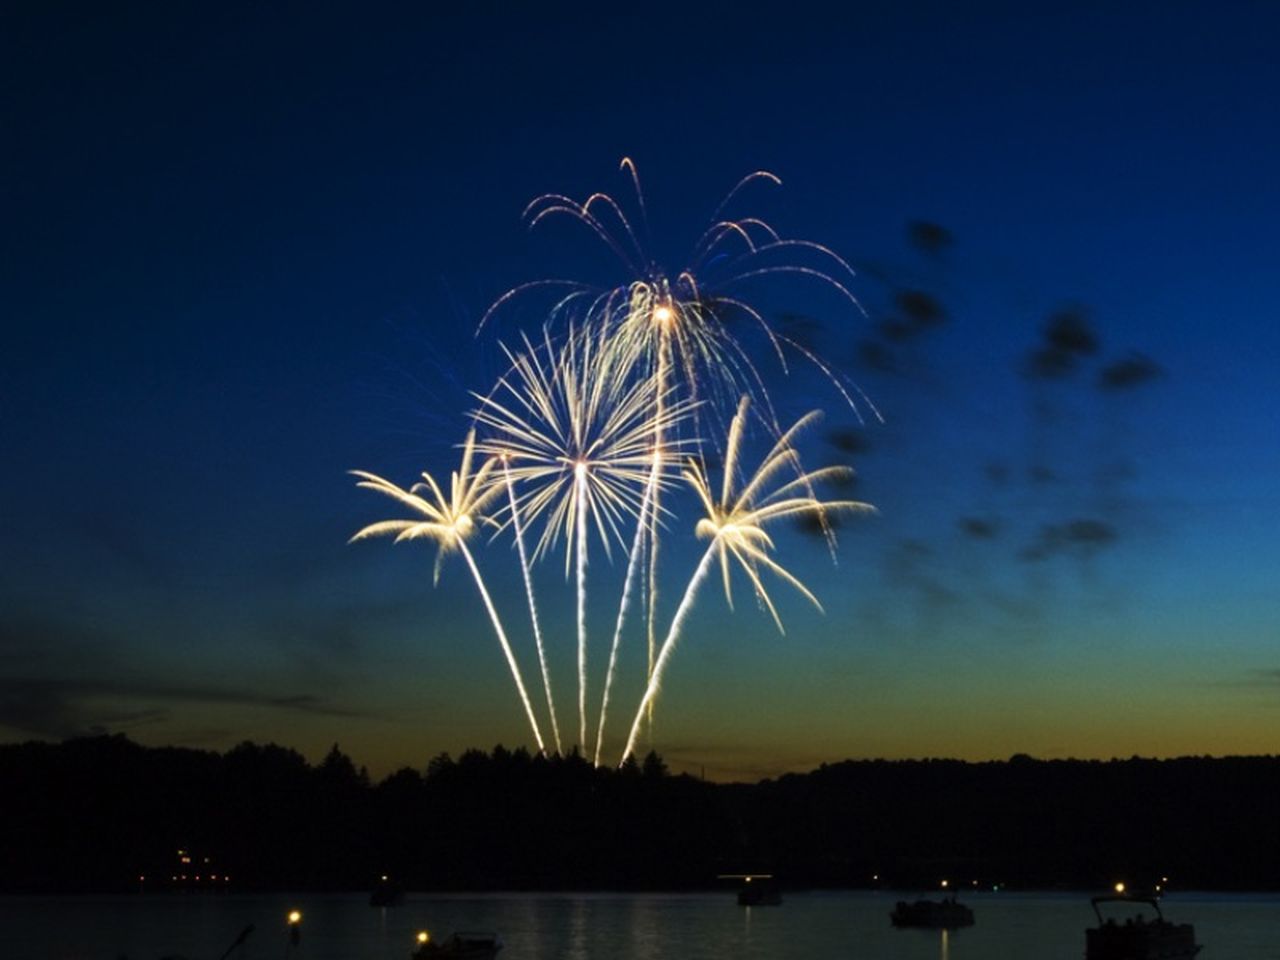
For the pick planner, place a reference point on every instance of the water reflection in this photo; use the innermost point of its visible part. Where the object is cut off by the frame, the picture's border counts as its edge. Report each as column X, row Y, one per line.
column 578, row 930
column 839, row 924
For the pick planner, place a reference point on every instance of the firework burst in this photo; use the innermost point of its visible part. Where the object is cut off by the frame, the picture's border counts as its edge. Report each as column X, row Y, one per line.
column 580, row 438
column 576, row 435
column 735, row 523
column 450, row 521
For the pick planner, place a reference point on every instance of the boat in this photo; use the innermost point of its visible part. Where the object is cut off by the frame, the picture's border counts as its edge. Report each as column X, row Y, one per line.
column 1137, row 937
column 759, row 891
column 948, row 913
column 386, row 894
column 459, row 946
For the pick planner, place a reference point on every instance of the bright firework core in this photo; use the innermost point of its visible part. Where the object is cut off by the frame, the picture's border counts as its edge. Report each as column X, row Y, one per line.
column 623, row 396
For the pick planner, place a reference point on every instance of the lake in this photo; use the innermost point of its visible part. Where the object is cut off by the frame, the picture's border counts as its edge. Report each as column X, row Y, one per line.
column 700, row 926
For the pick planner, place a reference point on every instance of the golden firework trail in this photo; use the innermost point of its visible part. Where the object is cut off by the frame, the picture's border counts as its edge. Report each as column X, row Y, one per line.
column 672, row 327
column 584, row 430
column 734, row 522
column 449, row 521
column 518, row 529
column 683, row 312
column 642, row 526
column 577, row 437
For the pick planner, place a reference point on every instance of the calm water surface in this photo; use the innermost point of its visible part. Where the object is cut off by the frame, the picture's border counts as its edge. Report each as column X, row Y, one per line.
column 850, row 926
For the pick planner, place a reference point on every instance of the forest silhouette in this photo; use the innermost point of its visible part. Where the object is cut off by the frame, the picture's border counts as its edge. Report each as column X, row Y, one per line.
column 104, row 814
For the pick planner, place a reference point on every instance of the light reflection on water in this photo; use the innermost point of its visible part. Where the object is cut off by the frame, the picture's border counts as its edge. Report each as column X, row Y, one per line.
column 705, row 926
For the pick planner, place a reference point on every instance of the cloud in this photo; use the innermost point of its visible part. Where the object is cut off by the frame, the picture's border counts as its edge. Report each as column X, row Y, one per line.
column 1083, row 535
column 849, row 440
column 928, row 237
column 876, row 356
column 1069, row 331
column 922, row 309
column 1133, row 371
column 62, row 708
column 1068, row 336
column 979, row 528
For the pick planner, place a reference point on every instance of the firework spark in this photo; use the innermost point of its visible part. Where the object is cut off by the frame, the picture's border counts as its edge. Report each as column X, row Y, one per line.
column 674, row 327
column 577, row 434
column 734, row 522
column 518, row 528
column 683, row 314
column 583, row 432
column 450, row 521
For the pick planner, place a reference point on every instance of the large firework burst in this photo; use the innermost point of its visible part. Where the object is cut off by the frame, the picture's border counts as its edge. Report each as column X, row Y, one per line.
column 581, row 437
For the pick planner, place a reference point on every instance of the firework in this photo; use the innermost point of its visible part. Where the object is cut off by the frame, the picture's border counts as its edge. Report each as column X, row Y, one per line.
column 581, row 436
column 449, row 522
column 518, row 528
column 672, row 327
column 735, row 523
column 679, row 318
column 577, row 435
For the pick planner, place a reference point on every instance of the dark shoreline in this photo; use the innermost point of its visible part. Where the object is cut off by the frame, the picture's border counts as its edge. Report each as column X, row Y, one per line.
column 97, row 814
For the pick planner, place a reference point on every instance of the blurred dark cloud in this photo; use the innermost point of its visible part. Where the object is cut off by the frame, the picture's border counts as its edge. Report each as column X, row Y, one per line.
column 818, row 524
column 1133, row 371
column 1068, row 336
column 800, row 329
column 996, row 472
column 921, row 309
column 1087, row 535
column 60, row 708
column 59, row 678
column 1069, row 330
column 912, row 564
column 849, row 439
column 1040, row 474
column 979, row 528
column 874, row 355
column 929, row 237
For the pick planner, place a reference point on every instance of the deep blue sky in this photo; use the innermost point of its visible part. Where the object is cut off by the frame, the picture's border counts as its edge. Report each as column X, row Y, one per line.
column 244, row 251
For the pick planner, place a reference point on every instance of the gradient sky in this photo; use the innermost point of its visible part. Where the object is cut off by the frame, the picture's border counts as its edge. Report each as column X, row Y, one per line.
column 245, row 249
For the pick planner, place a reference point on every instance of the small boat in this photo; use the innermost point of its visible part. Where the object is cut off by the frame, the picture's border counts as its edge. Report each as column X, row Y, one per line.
column 1137, row 937
column 459, row 946
column 759, row 891
column 934, row 914
column 386, row 894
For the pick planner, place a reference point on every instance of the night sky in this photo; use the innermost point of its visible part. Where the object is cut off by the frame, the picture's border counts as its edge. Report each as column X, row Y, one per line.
column 246, row 247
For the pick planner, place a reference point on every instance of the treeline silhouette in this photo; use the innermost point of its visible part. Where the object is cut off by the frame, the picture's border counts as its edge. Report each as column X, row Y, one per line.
column 105, row 814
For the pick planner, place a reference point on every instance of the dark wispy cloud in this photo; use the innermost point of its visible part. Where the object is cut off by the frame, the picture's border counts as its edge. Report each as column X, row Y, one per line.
column 1082, row 535
column 59, row 708
column 979, row 528
column 928, row 237
column 1133, row 371
column 1068, row 337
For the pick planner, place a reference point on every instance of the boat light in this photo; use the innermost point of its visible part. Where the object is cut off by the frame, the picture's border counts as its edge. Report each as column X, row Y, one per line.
column 423, row 937
column 295, row 917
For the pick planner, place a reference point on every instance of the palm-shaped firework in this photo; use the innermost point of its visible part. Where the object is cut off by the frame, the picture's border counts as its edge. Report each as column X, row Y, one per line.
column 577, row 435
column 584, row 431
column 735, row 523
column 450, row 521
column 674, row 327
